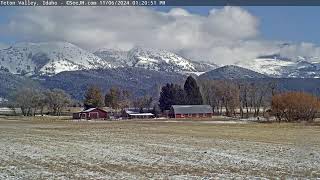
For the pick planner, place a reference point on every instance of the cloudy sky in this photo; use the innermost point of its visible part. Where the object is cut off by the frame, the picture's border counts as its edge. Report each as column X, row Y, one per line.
column 223, row 35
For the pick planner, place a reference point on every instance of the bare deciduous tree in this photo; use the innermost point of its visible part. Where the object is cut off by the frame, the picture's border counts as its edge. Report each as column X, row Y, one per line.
column 295, row 106
column 143, row 102
column 117, row 99
column 221, row 94
column 233, row 96
column 29, row 100
column 57, row 99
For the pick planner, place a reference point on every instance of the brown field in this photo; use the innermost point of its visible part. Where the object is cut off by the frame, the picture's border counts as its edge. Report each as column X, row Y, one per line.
column 51, row 148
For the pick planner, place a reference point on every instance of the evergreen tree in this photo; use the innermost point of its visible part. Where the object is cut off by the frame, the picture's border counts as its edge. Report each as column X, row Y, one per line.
column 112, row 98
column 171, row 94
column 179, row 95
column 166, row 97
column 192, row 92
column 93, row 98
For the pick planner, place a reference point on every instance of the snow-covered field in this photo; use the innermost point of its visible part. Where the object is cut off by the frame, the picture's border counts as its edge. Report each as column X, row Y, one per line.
column 49, row 149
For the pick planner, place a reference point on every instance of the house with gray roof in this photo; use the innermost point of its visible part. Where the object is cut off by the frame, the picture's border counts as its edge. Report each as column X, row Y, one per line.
column 191, row 111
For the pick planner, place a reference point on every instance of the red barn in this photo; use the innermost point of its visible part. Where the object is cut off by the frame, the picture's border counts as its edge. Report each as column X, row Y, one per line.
column 92, row 113
column 191, row 111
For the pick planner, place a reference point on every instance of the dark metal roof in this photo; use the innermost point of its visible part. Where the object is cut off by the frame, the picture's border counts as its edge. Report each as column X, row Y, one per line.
column 191, row 109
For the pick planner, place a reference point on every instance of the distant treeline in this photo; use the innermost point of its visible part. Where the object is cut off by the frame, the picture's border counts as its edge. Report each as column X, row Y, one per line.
column 238, row 98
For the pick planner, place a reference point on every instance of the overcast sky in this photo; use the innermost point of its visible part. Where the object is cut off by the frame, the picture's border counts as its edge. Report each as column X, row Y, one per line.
column 223, row 35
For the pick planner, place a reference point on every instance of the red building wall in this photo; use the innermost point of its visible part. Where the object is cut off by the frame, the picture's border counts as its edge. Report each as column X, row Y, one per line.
column 193, row 115
column 94, row 114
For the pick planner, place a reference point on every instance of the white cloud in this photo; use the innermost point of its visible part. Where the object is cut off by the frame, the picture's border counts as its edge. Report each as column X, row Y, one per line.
column 301, row 49
column 224, row 36
column 179, row 12
column 232, row 22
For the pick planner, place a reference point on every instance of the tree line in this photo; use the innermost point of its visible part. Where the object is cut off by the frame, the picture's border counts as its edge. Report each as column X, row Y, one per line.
column 226, row 97
column 170, row 94
column 231, row 96
column 32, row 101
column 242, row 99
column 115, row 98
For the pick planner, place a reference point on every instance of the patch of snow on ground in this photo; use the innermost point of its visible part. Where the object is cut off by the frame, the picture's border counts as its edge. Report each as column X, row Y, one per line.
column 54, row 151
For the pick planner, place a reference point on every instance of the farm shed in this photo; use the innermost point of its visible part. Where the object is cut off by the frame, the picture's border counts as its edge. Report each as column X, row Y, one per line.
column 190, row 111
column 131, row 114
column 92, row 113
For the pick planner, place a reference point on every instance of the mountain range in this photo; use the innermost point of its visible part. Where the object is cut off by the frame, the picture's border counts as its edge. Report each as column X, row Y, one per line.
column 50, row 58
column 142, row 70
column 283, row 67
column 151, row 59
column 232, row 72
column 47, row 58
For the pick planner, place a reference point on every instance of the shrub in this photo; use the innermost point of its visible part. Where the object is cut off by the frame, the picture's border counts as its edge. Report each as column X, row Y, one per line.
column 294, row 106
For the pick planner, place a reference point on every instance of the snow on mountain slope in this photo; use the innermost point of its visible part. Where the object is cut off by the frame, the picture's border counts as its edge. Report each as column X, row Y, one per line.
column 50, row 58
column 283, row 67
column 158, row 60
column 269, row 67
column 47, row 58
column 115, row 57
column 232, row 72
column 151, row 59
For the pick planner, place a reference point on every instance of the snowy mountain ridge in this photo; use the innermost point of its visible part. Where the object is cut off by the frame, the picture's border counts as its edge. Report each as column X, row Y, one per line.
column 301, row 67
column 152, row 59
column 49, row 58
column 232, row 72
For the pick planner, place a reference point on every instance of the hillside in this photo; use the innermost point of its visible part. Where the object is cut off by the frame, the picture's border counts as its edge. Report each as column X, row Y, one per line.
column 137, row 80
column 282, row 67
column 232, row 72
column 9, row 83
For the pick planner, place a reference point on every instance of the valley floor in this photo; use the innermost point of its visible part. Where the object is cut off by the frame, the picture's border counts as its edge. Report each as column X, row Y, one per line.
column 57, row 149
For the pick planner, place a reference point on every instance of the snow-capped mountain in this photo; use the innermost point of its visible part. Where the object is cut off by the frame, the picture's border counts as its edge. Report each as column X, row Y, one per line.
column 47, row 58
column 232, row 72
column 151, row 59
column 277, row 66
column 116, row 58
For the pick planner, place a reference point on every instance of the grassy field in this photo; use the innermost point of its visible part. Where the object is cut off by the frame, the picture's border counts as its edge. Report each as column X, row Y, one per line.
column 59, row 149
